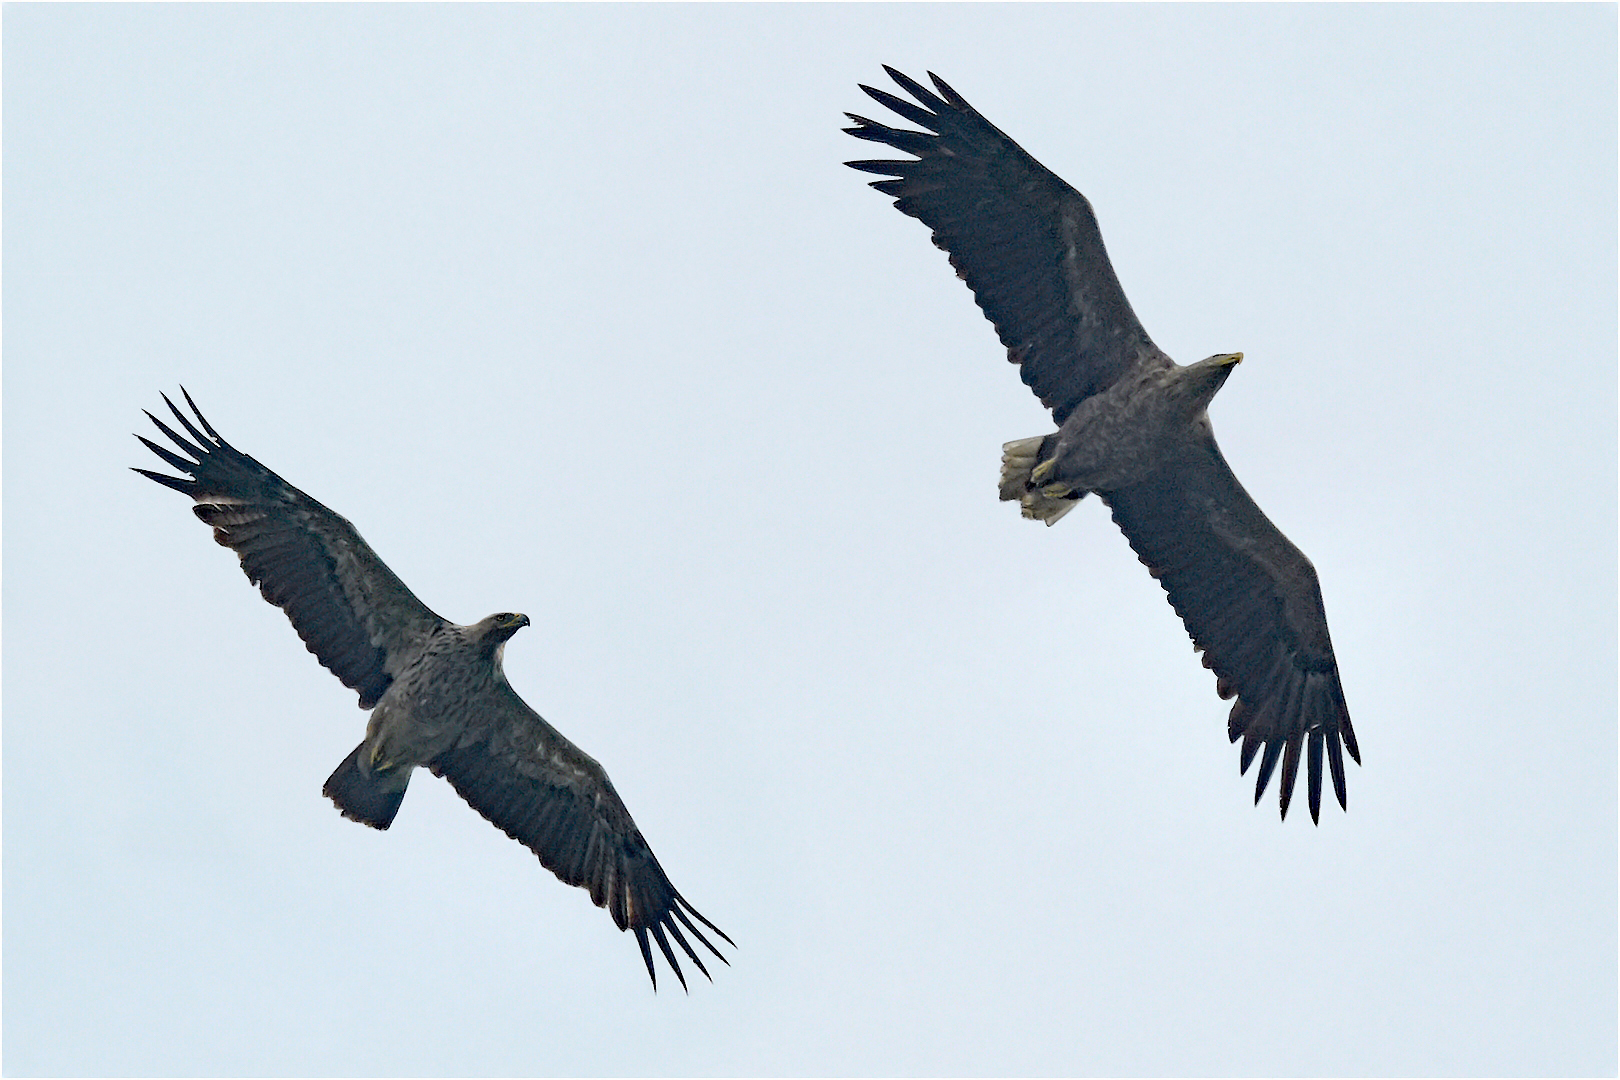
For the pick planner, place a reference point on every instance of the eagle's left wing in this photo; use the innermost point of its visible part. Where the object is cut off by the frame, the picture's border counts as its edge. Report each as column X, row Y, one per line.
column 1251, row 602
column 547, row 794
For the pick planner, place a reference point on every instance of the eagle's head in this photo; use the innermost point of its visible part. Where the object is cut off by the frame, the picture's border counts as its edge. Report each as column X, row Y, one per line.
column 1200, row 381
column 497, row 628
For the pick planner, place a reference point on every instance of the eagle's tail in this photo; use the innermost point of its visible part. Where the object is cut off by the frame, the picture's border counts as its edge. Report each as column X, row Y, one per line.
column 371, row 798
column 1019, row 460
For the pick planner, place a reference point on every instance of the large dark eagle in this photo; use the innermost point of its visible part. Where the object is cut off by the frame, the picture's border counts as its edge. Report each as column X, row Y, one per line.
column 436, row 691
column 1132, row 426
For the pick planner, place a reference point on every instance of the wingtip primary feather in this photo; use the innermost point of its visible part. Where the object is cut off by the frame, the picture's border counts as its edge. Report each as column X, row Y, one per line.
column 1349, row 735
column 646, row 956
column 180, row 416
column 184, row 487
column 913, row 87
column 1268, row 762
column 669, row 955
column 915, row 113
column 1313, row 776
column 680, row 902
column 203, row 420
column 687, row 948
column 1336, row 767
column 1290, row 770
column 948, row 93
column 1251, row 745
column 195, row 451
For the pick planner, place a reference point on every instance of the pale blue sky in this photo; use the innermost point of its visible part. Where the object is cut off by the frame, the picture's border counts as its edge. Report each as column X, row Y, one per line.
column 575, row 311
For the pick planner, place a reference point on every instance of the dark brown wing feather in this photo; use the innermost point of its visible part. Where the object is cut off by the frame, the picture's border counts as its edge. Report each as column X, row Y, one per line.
column 1251, row 602
column 1025, row 242
column 547, row 794
column 350, row 609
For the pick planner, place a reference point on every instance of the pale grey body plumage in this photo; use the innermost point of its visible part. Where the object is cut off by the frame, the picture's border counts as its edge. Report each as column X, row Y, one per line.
column 1132, row 427
column 438, row 695
column 426, row 709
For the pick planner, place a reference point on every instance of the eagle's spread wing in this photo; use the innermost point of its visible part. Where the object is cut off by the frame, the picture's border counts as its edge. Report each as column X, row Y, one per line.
column 547, row 794
column 1251, row 602
column 1025, row 242
column 358, row 619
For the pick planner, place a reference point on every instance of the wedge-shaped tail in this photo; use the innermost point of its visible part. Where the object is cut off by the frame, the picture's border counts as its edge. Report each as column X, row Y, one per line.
column 1019, row 460
column 371, row 798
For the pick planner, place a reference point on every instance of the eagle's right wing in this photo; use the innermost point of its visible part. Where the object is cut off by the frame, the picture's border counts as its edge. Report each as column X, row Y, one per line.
column 1025, row 242
column 353, row 613
column 553, row 798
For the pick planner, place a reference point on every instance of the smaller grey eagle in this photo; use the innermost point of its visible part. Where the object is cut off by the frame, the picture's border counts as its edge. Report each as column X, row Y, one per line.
column 1132, row 426
column 436, row 691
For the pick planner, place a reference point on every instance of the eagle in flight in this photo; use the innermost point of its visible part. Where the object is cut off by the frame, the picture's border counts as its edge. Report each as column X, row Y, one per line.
column 1132, row 426
column 436, row 691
